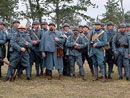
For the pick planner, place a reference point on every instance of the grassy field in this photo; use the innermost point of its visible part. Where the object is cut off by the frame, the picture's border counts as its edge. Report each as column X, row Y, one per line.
column 41, row 87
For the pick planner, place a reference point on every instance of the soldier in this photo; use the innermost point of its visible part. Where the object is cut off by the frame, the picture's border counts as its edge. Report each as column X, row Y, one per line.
column 128, row 28
column 121, row 48
column 51, row 47
column 35, row 55
column 66, row 33
column 28, row 27
column 102, row 26
column 80, row 29
column 109, row 58
column 11, row 32
column 98, row 39
column 2, row 44
column 74, row 43
column 44, row 26
column 14, row 29
column 128, row 32
column 19, row 57
column 85, row 54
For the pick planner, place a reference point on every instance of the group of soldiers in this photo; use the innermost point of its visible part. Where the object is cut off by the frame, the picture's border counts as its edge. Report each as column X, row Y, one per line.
column 48, row 49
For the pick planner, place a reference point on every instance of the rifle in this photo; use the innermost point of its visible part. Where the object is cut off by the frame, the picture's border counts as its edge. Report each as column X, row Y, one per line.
column 5, row 62
column 76, row 40
column 13, row 76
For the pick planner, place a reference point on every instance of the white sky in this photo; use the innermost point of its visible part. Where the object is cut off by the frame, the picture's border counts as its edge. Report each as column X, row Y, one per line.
column 93, row 12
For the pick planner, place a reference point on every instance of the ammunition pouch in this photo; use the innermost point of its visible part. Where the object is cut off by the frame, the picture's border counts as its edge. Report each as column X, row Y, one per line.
column 60, row 52
column 107, row 47
column 124, row 46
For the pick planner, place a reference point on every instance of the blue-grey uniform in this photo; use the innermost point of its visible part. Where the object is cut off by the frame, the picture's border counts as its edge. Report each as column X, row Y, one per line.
column 28, row 31
column 109, row 57
column 66, row 70
column 11, row 32
column 75, row 55
column 28, row 28
column 44, row 29
column 97, row 53
column 17, row 42
column 121, row 48
column 102, row 26
column 2, row 45
column 35, row 55
column 85, row 55
column 128, row 32
column 49, row 46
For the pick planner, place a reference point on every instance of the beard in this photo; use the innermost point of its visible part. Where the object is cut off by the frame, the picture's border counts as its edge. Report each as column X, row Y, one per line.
column 51, row 29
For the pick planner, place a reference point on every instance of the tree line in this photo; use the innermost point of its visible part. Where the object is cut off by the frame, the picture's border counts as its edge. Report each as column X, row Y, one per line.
column 63, row 11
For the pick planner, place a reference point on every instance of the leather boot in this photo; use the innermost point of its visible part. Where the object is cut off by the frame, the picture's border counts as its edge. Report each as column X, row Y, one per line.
column 60, row 77
column 95, row 78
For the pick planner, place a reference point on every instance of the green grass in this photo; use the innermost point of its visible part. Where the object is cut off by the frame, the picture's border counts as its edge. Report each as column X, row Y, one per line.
column 41, row 87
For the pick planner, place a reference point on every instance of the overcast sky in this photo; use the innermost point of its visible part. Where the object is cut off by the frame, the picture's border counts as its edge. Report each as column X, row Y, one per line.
column 94, row 12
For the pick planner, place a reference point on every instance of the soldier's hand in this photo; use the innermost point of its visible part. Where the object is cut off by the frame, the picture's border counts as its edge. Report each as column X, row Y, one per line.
column 65, row 36
column 129, row 55
column 34, row 42
column 75, row 47
column 94, row 45
column 43, row 55
column 26, row 43
column 23, row 49
column 56, row 39
column 77, row 44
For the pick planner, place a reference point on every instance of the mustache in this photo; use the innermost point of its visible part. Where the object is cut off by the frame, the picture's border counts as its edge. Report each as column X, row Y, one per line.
column 51, row 29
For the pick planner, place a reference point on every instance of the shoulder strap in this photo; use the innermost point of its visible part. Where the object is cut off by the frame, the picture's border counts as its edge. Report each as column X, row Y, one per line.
column 100, row 34
column 89, row 35
column 96, row 36
column 35, row 35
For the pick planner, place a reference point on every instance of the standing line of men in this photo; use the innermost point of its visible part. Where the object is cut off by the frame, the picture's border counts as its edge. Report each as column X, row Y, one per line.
column 61, row 50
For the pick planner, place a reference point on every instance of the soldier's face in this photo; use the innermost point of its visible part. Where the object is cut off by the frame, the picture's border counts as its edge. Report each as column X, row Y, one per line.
column 97, row 27
column 80, row 28
column 127, row 28
column 35, row 26
column 51, row 28
column 28, row 27
column 75, row 32
column 66, row 28
column 85, row 29
column 2, row 26
column 22, row 30
column 102, row 27
column 110, row 27
column 122, row 29
column 44, row 26
column 16, row 25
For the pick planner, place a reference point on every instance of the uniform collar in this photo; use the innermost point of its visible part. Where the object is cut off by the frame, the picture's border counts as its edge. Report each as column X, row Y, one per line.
column 21, row 34
column 97, row 30
column 122, row 33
